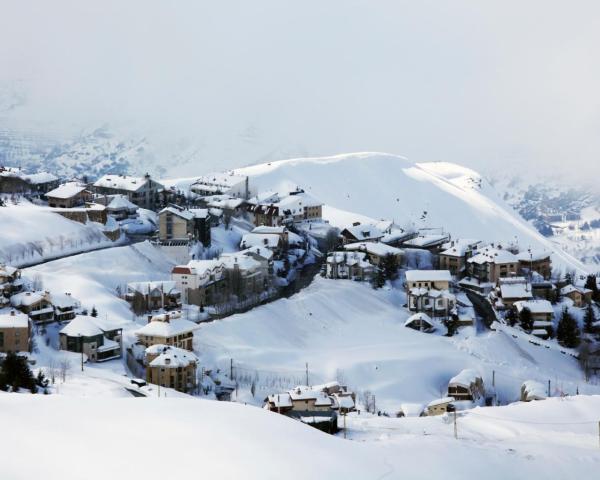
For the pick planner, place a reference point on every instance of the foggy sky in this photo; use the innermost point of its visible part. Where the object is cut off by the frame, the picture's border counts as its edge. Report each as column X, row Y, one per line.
column 481, row 83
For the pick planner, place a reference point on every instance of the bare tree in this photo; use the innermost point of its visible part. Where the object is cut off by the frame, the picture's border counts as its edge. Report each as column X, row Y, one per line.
column 64, row 366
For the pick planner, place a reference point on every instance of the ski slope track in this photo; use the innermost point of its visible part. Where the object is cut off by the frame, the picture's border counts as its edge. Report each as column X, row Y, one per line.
column 426, row 195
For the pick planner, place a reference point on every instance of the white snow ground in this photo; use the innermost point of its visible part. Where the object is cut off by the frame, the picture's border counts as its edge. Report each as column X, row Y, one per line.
column 103, row 438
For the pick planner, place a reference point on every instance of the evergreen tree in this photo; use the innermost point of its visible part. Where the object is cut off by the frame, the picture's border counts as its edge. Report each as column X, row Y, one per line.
column 511, row 317
column 94, row 312
column 589, row 319
column 16, row 374
column 390, row 266
column 567, row 332
column 568, row 278
column 591, row 283
column 526, row 319
column 451, row 325
column 378, row 279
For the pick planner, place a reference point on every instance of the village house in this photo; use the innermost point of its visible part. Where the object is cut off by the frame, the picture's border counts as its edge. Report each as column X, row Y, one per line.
column 467, row 385
column 428, row 291
column 273, row 241
column 440, row 406
column 142, row 191
column 420, row 322
column 542, row 315
column 10, row 280
column 313, row 407
column 65, row 306
column 512, row 290
column 178, row 224
column 579, row 295
column 361, row 233
column 274, row 209
column 492, row 263
column 454, row 255
column 41, row 182
column 15, row 331
column 119, row 206
column 430, row 242
column 535, row 261
column 349, row 265
column 376, row 251
column 343, row 399
column 201, row 282
column 171, row 367
column 148, row 296
column 69, row 195
column 168, row 329
column 228, row 205
column 245, row 276
column 12, row 180
column 35, row 304
column 227, row 183
column 96, row 338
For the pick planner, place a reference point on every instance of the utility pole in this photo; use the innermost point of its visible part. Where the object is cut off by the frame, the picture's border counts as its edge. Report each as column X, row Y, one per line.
column 455, row 426
column 494, row 378
column 231, row 368
column 307, row 374
column 345, row 424
column 549, row 391
column 599, row 433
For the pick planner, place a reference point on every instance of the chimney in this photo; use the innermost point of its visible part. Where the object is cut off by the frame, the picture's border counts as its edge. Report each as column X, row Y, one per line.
column 167, row 361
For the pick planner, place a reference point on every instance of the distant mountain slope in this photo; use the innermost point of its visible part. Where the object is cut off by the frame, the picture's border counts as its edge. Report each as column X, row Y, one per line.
column 433, row 195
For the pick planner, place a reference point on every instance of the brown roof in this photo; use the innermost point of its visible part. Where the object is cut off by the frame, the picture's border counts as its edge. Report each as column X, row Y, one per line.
column 180, row 269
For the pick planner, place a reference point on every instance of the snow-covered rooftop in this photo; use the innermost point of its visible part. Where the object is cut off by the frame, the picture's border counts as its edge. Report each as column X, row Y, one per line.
column 493, row 255
column 83, row 325
column 535, row 306
column 67, row 190
column 423, row 241
column 121, row 182
column 268, row 240
column 374, row 248
column 533, row 255
column 145, row 288
column 174, row 326
column 465, row 378
column 428, row 276
column 440, row 401
column 40, row 177
column 364, row 232
column 13, row 319
column 121, row 202
column 24, row 299
column 170, row 357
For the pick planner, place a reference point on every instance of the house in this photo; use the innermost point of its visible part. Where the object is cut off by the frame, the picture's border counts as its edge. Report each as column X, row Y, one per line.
column 349, row 265
column 178, row 224
column 454, row 255
column 65, row 306
column 467, row 385
column 168, row 329
column 119, row 207
column 228, row 205
column 245, row 275
column 420, row 322
column 15, row 331
column 542, row 315
column 532, row 390
column 343, row 399
column 428, row 291
column 201, row 282
column 440, row 406
column 512, row 290
column 376, row 251
column 10, row 280
column 12, row 180
column 96, row 338
column 361, row 233
column 581, row 296
column 431, row 242
column 491, row 263
column 142, row 191
column 69, row 195
column 171, row 367
column 223, row 183
column 535, row 261
column 42, row 182
column 313, row 407
column 273, row 209
column 273, row 241
column 148, row 296
column 35, row 304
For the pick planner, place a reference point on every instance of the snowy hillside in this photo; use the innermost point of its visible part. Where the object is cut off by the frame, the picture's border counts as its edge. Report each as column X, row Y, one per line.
column 427, row 195
column 343, row 328
column 117, row 438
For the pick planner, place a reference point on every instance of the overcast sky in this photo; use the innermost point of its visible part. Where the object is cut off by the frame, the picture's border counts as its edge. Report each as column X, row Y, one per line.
column 482, row 83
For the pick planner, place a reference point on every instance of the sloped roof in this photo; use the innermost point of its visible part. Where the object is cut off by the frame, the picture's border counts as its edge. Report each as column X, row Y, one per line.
column 428, row 276
column 67, row 190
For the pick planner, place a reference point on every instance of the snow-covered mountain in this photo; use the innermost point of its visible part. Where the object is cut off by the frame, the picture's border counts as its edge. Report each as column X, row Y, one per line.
column 428, row 195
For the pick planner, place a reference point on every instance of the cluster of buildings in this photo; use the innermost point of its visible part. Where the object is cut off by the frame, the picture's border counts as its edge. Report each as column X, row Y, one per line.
column 317, row 405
